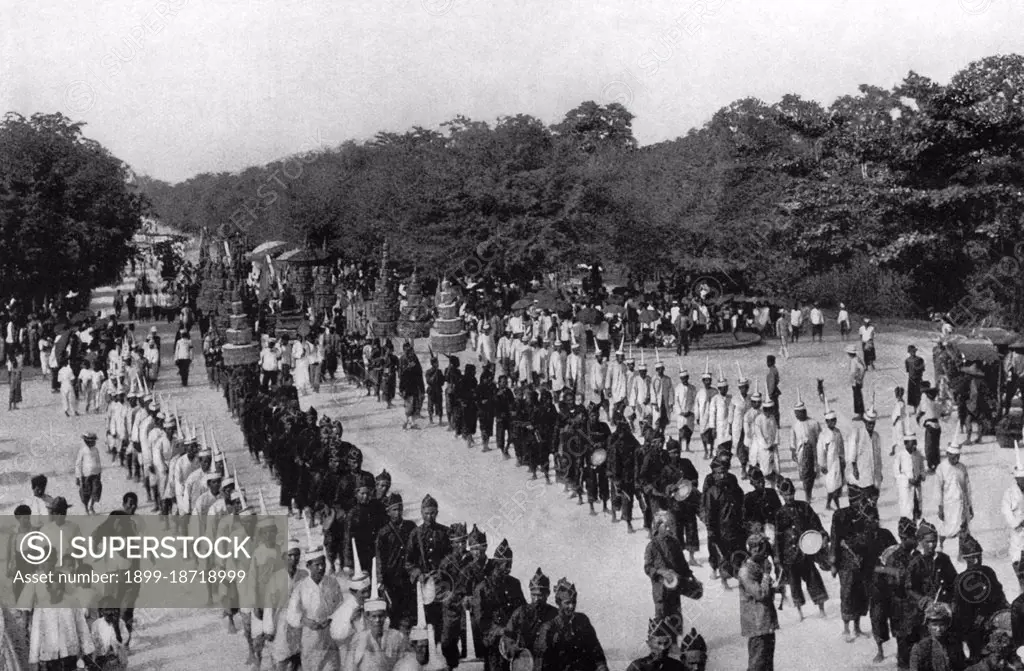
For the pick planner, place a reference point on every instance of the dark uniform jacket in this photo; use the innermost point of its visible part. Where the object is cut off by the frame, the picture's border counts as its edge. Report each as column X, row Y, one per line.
column 760, row 507
column 922, row 582
column 889, row 586
column 664, row 551
column 362, row 524
column 570, row 645
column 723, row 512
column 932, row 655
column 392, row 543
column 426, row 548
column 525, row 625
column 791, row 521
column 494, row 602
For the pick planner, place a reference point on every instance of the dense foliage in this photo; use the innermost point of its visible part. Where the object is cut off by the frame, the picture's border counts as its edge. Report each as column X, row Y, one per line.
column 67, row 210
column 918, row 188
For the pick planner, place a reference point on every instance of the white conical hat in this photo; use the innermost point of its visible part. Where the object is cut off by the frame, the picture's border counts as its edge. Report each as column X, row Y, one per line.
column 643, row 363
column 707, row 368
column 357, row 566
column 828, row 411
column 799, row 401
column 374, row 604
column 470, row 643
column 740, row 380
column 722, row 382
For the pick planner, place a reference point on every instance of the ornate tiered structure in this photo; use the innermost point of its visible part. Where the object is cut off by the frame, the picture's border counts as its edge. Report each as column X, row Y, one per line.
column 384, row 312
column 324, row 291
column 290, row 318
column 448, row 336
column 415, row 319
column 238, row 349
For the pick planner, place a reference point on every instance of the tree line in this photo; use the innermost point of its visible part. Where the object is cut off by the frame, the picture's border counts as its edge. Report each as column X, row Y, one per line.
column 68, row 211
column 894, row 200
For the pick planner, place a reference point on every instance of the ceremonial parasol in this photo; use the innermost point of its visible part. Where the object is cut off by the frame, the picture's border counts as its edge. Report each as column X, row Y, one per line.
column 589, row 316
column 649, row 316
column 614, row 309
column 522, row 304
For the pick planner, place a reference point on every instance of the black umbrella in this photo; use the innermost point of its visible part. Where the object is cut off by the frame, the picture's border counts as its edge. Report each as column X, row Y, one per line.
column 589, row 316
column 522, row 304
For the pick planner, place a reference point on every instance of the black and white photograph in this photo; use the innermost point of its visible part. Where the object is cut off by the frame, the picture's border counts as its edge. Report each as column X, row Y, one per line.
column 526, row 335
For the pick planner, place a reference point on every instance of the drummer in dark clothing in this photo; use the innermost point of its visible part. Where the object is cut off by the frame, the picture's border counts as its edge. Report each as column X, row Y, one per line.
column 977, row 597
column 792, row 521
column 668, row 489
column 666, row 566
column 723, row 517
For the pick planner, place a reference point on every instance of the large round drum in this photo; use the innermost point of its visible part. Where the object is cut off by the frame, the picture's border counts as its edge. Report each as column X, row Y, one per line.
column 672, row 580
column 811, row 542
column 1001, row 620
column 683, row 490
column 598, row 457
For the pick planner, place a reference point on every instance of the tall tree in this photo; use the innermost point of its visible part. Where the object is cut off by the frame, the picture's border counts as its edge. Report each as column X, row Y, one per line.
column 67, row 210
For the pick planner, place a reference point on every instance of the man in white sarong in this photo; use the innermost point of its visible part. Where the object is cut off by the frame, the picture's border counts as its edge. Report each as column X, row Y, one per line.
column 702, row 407
column 524, row 359
column 616, row 382
column 639, row 394
column 908, row 471
column 662, row 397
column 955, row 507
column 750, row 416
column 864, row 458
column 720, row 412
column 831, row 458
column 312, row 603
column 594, row 379
column 556, row 370
column 685, row 396
column 740, row 440
column 766, row 442
column 574, row 371
column 284, row 641
column 1013, row 513
column 803, row 445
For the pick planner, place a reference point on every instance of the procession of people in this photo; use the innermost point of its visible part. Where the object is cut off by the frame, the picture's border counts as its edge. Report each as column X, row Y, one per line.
column 371, row 589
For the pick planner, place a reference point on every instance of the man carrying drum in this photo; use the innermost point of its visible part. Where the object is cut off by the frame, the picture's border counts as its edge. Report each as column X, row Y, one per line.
column 671, row 578
column 977, row 598
column 800, row 537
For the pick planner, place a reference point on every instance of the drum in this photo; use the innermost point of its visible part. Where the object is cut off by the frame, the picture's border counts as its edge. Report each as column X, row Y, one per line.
column 598, row 457
column 1001, row 620
column 505, row 649
column 429, row 590
column 672, row 581
column 811, row 542
column 523, row 661
column 683, row 490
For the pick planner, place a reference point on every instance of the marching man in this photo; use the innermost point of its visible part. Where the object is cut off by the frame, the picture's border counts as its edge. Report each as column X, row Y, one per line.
column 740, row 439
column 702, row 407
column 831, row 458
column 1013, row 511
column 639, row 392
column 803, row 444
column 720, row 412
column 662, row 396
column 908, row 470
column 685, row 395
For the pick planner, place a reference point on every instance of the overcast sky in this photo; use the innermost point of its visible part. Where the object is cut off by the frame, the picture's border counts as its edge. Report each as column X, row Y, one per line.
column 179, row 87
